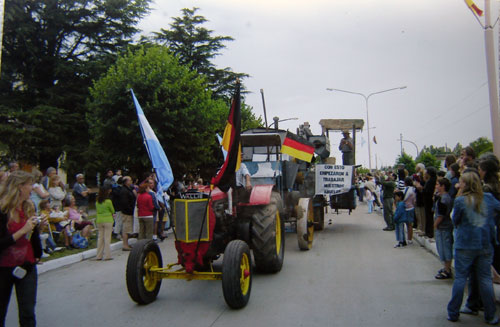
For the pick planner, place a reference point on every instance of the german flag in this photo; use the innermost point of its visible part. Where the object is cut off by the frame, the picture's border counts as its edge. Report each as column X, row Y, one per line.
column 297, row 147
column 231, row 143
column 475, row 9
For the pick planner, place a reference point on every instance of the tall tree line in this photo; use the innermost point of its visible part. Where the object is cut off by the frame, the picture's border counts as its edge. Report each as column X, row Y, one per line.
column 54, row 51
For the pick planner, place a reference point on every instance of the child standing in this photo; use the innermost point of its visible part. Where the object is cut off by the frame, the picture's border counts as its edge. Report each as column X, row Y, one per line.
column 443, row 227
column 400, row 219
column 369, row 200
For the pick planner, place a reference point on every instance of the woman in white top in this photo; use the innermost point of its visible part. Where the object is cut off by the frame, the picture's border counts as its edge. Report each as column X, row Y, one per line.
column 410, row 198
column 57, row 194
column 39, row 192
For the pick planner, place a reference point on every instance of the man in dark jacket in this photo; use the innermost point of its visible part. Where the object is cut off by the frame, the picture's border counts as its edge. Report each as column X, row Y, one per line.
column 430, row 177
column 388, row 189
column 115, row 198
column 127, row 204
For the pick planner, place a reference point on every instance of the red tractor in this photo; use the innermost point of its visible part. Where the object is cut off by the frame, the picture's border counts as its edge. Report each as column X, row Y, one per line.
column 208, row 224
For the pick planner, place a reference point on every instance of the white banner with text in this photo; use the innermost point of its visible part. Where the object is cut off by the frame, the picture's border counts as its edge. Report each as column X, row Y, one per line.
column 333, row 179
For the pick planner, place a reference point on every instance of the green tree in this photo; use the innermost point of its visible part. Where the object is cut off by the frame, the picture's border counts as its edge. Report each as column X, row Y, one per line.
column 481, row 145
column 407, row 161
column 457, row 150
column 176, row 103
column 196, row 46
column 362, row 170
column 52, row 50
column 428, row 159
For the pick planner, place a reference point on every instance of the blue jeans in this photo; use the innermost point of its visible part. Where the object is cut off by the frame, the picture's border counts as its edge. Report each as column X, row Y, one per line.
column 399, row 228
column 478, row 261
column 370, row 206
column 444, row 244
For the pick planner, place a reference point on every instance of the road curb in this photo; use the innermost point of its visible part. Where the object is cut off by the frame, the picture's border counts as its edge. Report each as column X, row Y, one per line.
column 74, row 258
column 427, row 243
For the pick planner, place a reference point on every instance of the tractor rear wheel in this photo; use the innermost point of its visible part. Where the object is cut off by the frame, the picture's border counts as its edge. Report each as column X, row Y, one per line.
column 268, row 235
column 236, row 274
column 142, row 284
column 305, row 224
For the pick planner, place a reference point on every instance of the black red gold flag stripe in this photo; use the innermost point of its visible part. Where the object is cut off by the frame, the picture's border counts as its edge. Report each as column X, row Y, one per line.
column 475, row 9
column 297, row 147
column 231, row 143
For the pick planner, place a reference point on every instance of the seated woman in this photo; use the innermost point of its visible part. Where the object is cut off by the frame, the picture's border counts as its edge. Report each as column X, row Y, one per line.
column 50, row 228
column 58, row 220
column 39, row 192
column 73, row 214
column 57, row 193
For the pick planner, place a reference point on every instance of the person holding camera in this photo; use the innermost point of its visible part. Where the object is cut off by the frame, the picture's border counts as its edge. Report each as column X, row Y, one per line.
column 20, row 247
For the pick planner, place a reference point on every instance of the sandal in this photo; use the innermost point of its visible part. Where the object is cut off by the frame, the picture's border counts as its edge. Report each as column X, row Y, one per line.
column 443, row 275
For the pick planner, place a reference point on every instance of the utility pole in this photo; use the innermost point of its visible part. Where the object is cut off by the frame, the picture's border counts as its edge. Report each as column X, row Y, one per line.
column 2, row 11
column 401, row 141
column 492, row 77
column 264, row 105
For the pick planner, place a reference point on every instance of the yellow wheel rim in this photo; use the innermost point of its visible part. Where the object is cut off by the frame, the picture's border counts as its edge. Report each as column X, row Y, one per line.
column 278, row 233
column 149, row 279
column 244, row 274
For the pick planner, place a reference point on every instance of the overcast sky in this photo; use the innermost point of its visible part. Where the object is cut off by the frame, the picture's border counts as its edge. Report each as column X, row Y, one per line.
column 294, row 50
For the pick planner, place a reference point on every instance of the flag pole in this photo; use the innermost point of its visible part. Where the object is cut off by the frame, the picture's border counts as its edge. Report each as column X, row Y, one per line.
column 492, row 78
column 144, row 136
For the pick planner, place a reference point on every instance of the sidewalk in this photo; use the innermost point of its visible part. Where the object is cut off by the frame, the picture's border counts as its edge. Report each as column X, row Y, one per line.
column 74, row 258
column 430, row 245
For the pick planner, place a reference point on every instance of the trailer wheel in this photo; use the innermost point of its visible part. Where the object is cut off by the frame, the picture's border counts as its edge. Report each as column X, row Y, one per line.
column 236, row 274
column 143, row 286
column 319, row 218
column 305, row 224
column 268, row 236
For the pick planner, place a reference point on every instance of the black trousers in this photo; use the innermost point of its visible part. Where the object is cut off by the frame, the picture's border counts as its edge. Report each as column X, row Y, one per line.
column 25, row 292
column 429, row 221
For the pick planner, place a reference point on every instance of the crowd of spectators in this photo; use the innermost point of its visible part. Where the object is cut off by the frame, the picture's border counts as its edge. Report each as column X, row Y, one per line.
column 457, row 208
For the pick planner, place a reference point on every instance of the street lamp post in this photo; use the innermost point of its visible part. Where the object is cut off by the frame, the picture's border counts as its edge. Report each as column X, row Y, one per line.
column 401, row 140
column 277, row 120
column 367, row 97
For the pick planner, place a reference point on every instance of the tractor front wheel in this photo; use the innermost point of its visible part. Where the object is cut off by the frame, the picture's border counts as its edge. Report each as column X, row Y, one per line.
column 236, row 274
column 142, row 284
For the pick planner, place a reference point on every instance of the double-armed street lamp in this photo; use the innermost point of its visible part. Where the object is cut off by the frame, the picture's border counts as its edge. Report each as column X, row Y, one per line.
column 367, row 97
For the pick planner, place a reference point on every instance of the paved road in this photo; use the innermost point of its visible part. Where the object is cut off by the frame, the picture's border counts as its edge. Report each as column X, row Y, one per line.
column 352, row 277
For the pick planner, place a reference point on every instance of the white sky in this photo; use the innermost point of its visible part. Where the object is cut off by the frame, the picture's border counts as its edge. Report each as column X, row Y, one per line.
column 294, row 50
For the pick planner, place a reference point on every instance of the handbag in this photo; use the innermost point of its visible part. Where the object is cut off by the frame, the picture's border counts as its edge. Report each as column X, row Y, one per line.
column 79, row 241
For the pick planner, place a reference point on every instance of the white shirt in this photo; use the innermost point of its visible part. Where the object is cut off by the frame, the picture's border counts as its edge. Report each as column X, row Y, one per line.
column 241, row 175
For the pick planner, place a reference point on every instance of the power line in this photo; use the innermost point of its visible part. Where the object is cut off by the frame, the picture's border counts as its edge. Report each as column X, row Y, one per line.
column 455, row 122
column 455, row 105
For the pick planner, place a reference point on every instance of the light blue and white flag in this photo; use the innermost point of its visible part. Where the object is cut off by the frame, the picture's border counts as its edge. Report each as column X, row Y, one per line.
column 224, row 152
column 155, row 151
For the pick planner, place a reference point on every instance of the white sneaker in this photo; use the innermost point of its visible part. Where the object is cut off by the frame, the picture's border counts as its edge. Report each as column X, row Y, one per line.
column 58, row 248
column 45, row 255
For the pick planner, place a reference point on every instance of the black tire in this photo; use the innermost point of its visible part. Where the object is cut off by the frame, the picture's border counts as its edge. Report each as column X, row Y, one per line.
column 237, row 284
column 319, row 218
column 268, row 249
column 142, row 287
